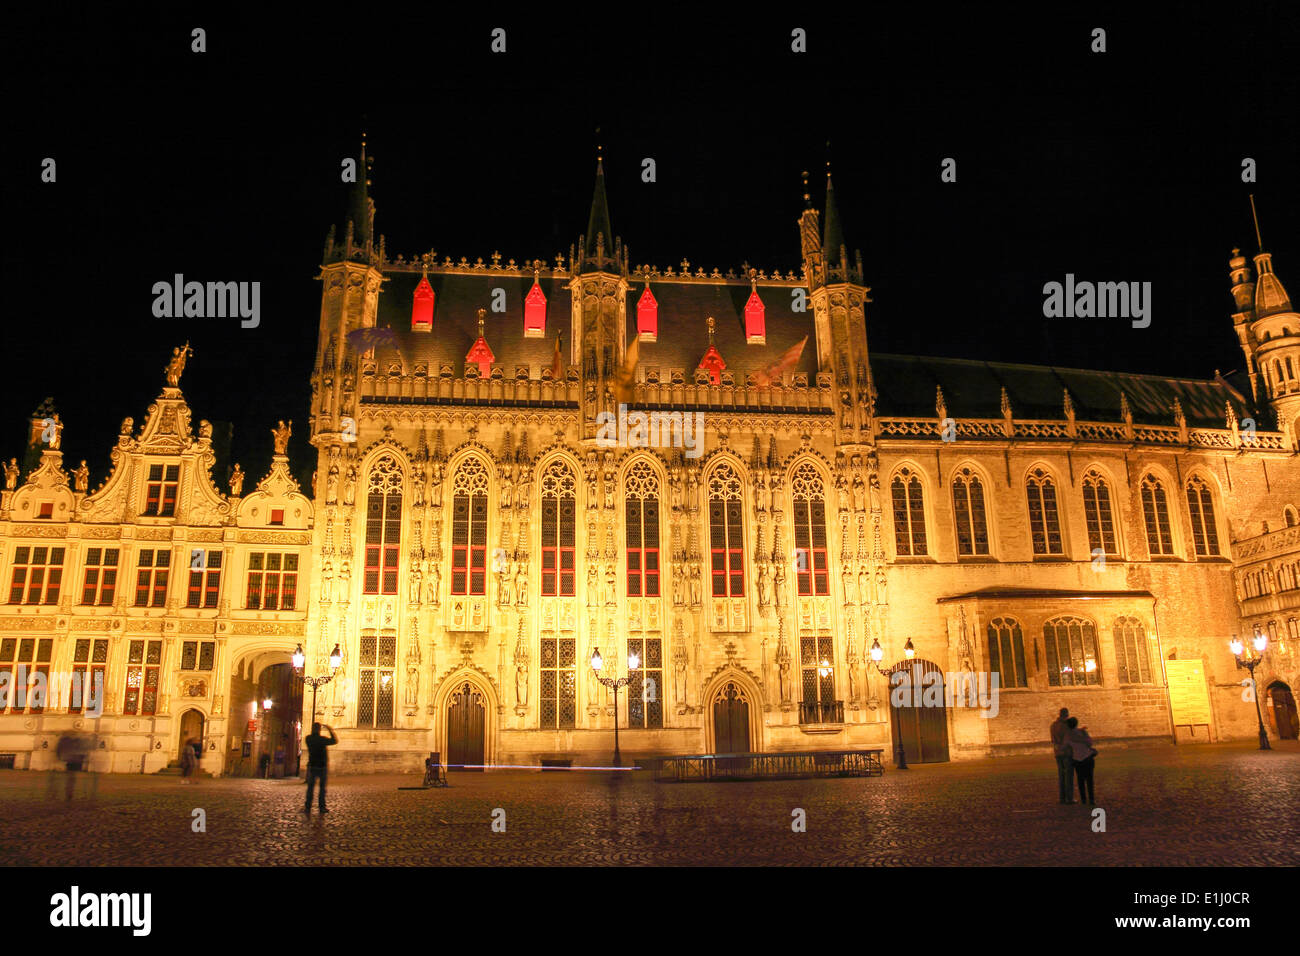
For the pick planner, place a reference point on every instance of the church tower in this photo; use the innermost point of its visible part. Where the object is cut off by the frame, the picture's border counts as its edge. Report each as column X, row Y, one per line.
column 839, row 299
column 1268, row 328
column 598, row 292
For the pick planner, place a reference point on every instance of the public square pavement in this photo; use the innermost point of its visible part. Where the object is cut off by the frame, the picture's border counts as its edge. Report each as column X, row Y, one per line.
column 1224, row 804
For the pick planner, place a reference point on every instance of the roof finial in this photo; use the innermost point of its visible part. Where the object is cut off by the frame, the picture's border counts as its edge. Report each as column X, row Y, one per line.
column 1259, row 243
column 711, row 330
column 599, row 151
column 482, row 314
column 807, row 197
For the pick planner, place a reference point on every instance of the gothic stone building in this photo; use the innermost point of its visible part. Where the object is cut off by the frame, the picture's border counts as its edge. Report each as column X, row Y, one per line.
column 475, row 535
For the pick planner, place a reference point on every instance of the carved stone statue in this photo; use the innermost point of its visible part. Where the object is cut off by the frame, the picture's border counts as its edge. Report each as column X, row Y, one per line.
column 412, row 686
column 327, row 576
column 434, row 582
column 859, row 494
column 205, row 428
column 505, row 581
column 128, row 426
column 280, row 436
column 675, row 487
column 349, row 486
column 610, row 482
column 864, row 583
column 237, row 481
column 521, row 683
column 679, row 675
column 842, row 487
column 679, row 584
column 507, row 486
column 345, row 579
column 521, row 583
column 81, row 477
column 697, row 585
column 764, row 583
column 176, row 366
column 882, row 582
column 780, row 584
column 611, row 585
column 846, row 578
column 593, row 586
column 11, row 474
column 414, row 595
column 417, row 491
column 332, row 485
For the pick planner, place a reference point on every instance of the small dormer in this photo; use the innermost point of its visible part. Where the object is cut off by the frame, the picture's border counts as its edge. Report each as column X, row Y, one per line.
column 422, row 305
column 535, row 312
column 647, row 316
column 755, row 318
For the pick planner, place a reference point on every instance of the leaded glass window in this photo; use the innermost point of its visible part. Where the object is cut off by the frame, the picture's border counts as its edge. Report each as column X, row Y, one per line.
column 1155, row 512
column 909, row 514
column 1071, row 645
column 1205, row 534
column 726, row 532
column 469, row 517
column 971, row 515
column 558, row 699
column 383, row 527
column 1044, row 517
column 1132, row 662
column 808, row 491
column 1007, row 652
column 1098, row 515
column 645, row 706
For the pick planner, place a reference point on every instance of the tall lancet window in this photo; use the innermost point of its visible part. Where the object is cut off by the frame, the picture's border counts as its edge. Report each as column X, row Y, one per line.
column 1044, row 518
column 808, row 490
column 1098, row 515
column 726, row 532
column 641, row 523
column 559, row 529
column 383, row 526
column 1205, row 535
column 469, row 516
column 972, row 519
column 909, row 514
column 1155, row 511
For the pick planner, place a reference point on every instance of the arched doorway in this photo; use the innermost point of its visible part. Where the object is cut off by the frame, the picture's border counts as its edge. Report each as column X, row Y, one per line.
column 731, row 719
column 191, row 726
column 918, row 717
column 466, row 722
column 1285, row 719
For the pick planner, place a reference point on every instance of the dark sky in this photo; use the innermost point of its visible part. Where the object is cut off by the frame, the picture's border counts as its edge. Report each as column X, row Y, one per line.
column 1122, row 166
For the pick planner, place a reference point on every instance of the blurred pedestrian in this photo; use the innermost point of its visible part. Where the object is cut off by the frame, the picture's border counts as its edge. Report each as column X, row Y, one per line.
column 188, row 760
column 1084, row 755
column 318, row 763
column 1064, row 762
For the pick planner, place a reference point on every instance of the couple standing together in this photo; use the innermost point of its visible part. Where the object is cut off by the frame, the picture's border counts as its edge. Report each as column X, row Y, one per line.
column 1075, row 757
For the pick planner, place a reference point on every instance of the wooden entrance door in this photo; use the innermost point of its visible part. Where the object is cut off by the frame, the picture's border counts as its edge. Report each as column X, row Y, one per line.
column 1284, row 711
column 191, row 727
column 465, row 723
column 731, row 720
column 921, row 729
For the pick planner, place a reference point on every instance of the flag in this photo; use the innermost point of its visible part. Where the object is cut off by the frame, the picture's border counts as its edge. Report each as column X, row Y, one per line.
column 625, row 378
column 557, row 363
column 773, row 373
column 363, row 340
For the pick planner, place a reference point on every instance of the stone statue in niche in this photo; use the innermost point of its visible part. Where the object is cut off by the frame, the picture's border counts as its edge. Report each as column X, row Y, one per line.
column 679, row 678
column 675, row 487
column 434, row 582
column 764, row 583
column 882, row 582
column 507, row 486
column 846, row 579
column 521, row 683
column 590, row 475
column 679, row 584
column 327, row 578
column 414, row 595
column 345, row 579
column 780, row 584
column 842, row 487
column 505, row 581
column 864, row 583
column 859, row 493
column 521, row 583
column 349, row 486
column 412, row 686
column 593, row 586
column 611, row 585
column 332, row 485
column 697, row 585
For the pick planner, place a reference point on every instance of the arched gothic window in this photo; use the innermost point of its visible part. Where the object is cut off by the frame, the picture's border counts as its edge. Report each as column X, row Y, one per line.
column 1155, row 512
column 1071, row 645
column 383, row 526
column 1132, row 663
column 1007, row 652
column 909, row 513
column 559, row 529
column 641, row 524
column 726, row 532
column 968, row 507
column 1044, row 517
column 1098, row 515
column 1205, row 534
column 469, row 517
column 808, row 491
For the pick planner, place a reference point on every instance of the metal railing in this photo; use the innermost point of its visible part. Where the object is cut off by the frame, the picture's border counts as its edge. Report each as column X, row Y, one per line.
column 775, row 766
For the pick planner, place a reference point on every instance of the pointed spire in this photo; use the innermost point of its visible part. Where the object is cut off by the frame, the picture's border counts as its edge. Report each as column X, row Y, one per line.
column 600, row 234
column 1069, row 406
column 361, row 208
column 833, row 237
column 940, row 406
column 1270, row 296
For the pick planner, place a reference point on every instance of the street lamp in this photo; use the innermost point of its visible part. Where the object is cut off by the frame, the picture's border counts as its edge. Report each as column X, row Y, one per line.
column 633, row 662
column 1261, row 643
column 300, row 659
column 878, row 652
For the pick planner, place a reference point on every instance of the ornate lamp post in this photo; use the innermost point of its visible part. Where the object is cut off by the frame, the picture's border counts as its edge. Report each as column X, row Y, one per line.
column 300, row 659
column 1261, row 643
column 633, row 662
column 877, row 652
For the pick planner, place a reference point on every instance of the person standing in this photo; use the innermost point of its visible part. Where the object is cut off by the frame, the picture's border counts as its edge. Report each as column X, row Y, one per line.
column 1084, row 755
column 187, row 760
column 318, row 763
column 1064, row 761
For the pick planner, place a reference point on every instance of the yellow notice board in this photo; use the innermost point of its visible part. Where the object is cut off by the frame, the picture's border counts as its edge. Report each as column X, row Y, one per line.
column 1189, row 697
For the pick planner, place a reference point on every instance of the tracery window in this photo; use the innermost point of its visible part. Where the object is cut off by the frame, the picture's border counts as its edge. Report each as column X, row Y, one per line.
column 1098, row 515
column 143, row 661
column 383, row 527
column 641, row 524
column 909, row 513
column 469, row 517
column 726, row 532
column 1044, row 516
column 817, row 662
column 1205, row 534
column 558, row 672
column 1071, row 645
column 972, row 518
column 1155, row 512
column 808, row 490
column 1007, row 652
column 375, row 680
column 645, row 704
column 559, row 529
column 1131, row 660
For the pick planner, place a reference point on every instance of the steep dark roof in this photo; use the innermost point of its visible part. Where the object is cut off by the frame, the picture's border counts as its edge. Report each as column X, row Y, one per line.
column 906, row 386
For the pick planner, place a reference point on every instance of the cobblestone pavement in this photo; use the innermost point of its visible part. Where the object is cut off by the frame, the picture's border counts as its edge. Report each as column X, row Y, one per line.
column 1195, row 805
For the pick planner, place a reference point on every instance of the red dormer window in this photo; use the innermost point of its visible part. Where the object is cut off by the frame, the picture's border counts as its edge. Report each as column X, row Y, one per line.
column 713, row 363
column 755, row 320
column 422, row 307
column 535, row 312
column 647, row 316
column 277, row 516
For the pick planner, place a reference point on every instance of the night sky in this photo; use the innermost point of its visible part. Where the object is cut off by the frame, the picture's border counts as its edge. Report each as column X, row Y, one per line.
column 224, row 166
